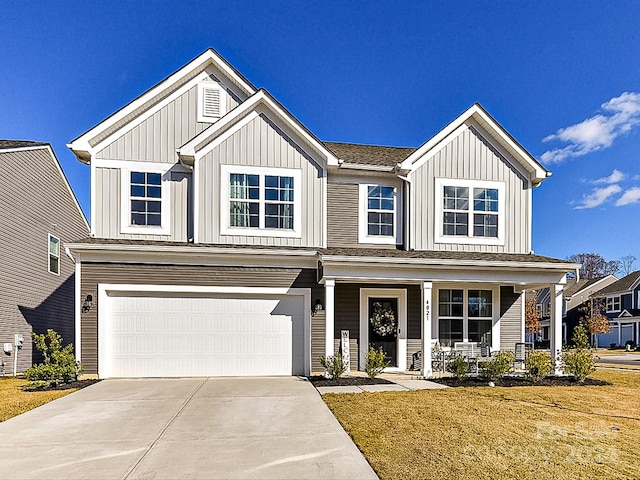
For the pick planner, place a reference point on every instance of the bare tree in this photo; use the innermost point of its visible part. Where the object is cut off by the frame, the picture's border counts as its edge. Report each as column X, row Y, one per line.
column 531, row 314
column 594, row 265
column 626, row 264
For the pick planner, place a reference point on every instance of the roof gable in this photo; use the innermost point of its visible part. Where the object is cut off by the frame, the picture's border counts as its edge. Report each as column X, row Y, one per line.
column 537, row 173
column 626, row 284
column 84, row 145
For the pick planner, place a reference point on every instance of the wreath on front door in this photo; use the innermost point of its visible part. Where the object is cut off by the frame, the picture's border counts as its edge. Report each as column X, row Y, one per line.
column 383, row 320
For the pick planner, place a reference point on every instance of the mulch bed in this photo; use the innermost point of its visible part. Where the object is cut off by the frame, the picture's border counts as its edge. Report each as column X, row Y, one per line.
column 320, row 381
column 519, row 382
column 67, row 386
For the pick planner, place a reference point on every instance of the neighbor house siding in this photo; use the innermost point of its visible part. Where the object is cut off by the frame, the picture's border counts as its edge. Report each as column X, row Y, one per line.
column 157, row 138
column 470, row 156
column 510, row 318
column 192, row 275
column 107, row 197
column 260, row 143
column 35, row 202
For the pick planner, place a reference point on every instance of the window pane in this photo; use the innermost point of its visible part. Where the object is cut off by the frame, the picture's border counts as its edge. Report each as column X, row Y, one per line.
column 137, row 177
column 455, row 223
column 450, row 332
column 485, row 199
column 154, row 192
column 153, row 219
column 54, row 246
column 480, row 303
column 138, row 219
column 450, row 303
column 137, row 190
column 153, row 178
column 54, row 264
column 480, row 331
column 153, row 207
column 485, row 225
column 271, row 181
column 138, row 206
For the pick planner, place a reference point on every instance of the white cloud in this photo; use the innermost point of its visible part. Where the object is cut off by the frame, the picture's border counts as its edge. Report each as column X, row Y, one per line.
column 598, row 196
column 615, row 177
column 632, row 195
column 622, row 113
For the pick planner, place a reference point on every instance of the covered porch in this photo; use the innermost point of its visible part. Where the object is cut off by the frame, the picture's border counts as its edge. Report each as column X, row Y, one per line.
column 407, row 302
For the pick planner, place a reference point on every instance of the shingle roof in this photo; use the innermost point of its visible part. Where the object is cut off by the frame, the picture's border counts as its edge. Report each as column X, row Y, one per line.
column 622, row 285
column 369, row 154
column 20, row 143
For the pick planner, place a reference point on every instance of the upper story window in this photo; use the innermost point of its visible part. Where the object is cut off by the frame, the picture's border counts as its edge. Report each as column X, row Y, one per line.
column 54, row 255
column 145, row 200
column 379, row 214
column 613, row 303
column 211, row 102
column 469, row 211
column 260, row 201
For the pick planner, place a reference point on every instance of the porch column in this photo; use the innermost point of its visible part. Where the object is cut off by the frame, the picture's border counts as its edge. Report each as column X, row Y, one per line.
column 426, row 288
column 329, row 300
column 555, row 329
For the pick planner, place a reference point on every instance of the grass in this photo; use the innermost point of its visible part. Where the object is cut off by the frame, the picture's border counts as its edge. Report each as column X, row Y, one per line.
column 14, row 401
column 518, row 432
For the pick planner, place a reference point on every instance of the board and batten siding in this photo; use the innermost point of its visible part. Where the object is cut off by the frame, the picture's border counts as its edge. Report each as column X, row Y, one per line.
column 510, row 318
column 192, row 275
column 35, row 202
column 260, row 143
column 157, row 138
column 107, row 198
column 470, row 156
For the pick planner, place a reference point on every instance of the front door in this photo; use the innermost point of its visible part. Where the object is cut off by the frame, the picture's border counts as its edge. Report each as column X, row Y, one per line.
column 383, row 327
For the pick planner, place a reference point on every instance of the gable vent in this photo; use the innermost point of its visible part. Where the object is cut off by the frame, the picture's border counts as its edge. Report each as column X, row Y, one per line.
column 210, row 102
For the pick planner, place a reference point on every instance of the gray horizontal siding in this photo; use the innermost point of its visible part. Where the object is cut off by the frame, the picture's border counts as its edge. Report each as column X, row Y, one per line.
column 35, row 201
column 94, row 273
column 260, row 143
column 470, row 156
column 510, row 318
column 157, row 138
column 107, row 198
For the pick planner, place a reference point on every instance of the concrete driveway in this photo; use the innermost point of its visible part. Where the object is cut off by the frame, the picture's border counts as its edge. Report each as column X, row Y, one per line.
column 195, row 428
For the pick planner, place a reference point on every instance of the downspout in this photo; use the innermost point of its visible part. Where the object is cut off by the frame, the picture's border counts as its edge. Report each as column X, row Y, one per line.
column 407, row 224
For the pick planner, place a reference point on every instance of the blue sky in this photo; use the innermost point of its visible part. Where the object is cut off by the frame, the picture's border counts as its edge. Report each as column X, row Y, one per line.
column 562, row 77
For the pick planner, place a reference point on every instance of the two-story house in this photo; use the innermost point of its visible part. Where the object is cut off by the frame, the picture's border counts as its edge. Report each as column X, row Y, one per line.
column 623, row 310
column 227, row 239
column 40, row 216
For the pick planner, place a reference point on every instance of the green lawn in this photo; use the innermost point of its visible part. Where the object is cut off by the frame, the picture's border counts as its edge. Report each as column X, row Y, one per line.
column 518, row 432
column 14, row 401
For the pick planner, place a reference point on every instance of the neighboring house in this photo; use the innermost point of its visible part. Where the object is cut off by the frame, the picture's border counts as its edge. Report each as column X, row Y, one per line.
column 574, row 296
column 228, row 240
column 40, row 215
column 623, row 309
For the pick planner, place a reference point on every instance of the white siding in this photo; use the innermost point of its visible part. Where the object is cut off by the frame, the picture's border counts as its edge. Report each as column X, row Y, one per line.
column 260, row 143
column 470, row 156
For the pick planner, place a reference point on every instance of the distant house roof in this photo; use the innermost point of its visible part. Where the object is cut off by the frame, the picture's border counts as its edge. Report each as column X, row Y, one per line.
column 625, row 284
column 369, row 154
column 4, row 144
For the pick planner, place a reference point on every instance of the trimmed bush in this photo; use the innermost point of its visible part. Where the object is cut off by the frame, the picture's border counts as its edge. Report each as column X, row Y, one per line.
column 499, row 366
column 334, row 365
column 376, row 362
column 458, row 366
column 579, row 361
column 59, row 366
column 538, row 365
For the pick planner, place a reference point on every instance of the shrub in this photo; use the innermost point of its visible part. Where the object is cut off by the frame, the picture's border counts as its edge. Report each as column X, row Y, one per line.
column 376, row 362
column 59, row 366
column 334, row 365
column 538, row 365
column 498, row 366
column 579, row 361
column 458, row 366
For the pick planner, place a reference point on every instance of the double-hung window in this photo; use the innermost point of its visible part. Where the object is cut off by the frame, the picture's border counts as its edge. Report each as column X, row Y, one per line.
column 260, row 201
column 469, row 211
column 145, row 200
column 379, row 215
column 465, row 315
column 613, row 303
column 54, row 255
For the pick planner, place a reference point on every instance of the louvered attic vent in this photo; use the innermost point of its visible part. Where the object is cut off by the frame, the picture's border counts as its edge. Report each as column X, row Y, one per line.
column 210, row 102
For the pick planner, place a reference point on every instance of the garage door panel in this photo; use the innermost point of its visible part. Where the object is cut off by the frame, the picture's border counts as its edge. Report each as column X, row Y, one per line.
column 205, row 336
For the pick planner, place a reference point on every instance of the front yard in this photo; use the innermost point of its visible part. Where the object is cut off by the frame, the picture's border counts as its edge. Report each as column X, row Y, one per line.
column 14, row 401
column 483, row 432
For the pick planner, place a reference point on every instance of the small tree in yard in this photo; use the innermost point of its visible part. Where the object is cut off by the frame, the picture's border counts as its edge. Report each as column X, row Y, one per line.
column 593, row 317
column 59, row 366
column 334, row 365
column 579, row 361
column 531, row 314
column 376, row 362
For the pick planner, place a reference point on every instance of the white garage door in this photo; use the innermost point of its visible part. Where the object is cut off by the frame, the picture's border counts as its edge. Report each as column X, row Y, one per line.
column 176, row 336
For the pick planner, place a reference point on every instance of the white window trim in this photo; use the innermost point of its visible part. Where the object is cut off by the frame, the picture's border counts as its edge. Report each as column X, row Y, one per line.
column 202, row 86
column 363, row 223
column 226, row 229
column 440, row 183
column 49, row 237
column 125, row 199
column 495, row 310
column 612, row 298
